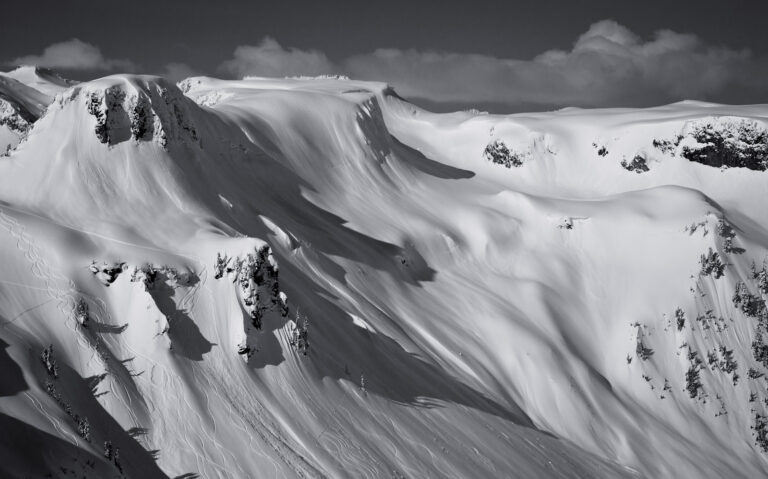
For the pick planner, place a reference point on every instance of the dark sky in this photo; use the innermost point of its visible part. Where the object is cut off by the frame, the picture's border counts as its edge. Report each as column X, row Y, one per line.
column 202, row 35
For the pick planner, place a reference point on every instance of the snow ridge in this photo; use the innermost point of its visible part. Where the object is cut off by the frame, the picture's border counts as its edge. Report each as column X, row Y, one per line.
column 137, row 108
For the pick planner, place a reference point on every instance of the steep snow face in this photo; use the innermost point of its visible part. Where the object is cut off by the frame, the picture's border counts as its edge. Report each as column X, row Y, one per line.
column 41, row 79
column 30, row 102
column 137, row 135
column 20, row 106
column 24, row 95
column 314, row 278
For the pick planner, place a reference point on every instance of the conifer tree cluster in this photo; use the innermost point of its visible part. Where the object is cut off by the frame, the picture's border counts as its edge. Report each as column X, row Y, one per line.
column 498, row 153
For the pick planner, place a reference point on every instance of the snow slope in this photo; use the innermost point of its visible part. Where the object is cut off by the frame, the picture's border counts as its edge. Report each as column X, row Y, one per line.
column 20, row 106
column 463, row 319
column 24, row 95
column 44, row 80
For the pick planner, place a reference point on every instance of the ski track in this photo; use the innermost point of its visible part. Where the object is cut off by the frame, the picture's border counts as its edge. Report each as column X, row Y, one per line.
column 66, row 302
column 53, row 420
column 255, row 420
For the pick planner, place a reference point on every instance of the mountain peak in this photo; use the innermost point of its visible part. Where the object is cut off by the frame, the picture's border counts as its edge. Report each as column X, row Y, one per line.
column 20, row 107
column 45, row 80
column 142, row 108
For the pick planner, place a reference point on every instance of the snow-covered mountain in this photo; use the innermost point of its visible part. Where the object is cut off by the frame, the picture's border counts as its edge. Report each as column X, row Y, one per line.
column 315, row 278
column 24, row 94
column 44, row 80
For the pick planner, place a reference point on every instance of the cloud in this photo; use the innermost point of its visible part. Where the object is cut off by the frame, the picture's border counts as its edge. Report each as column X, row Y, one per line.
column 176, row 72
column 270, row 59
column 75, row 55
column 608, row 65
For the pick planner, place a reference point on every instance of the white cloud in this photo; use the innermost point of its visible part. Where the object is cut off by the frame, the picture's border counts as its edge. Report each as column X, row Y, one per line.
column 75, row 55
column 606, row 65
column 270, row 59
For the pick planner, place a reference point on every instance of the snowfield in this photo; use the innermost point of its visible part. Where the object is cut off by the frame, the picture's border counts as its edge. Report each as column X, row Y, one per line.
column 315, row 278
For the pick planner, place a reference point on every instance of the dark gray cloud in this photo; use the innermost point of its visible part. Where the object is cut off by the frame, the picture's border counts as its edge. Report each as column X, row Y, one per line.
column 608, row 65
column 177, row 71
column 75, row 54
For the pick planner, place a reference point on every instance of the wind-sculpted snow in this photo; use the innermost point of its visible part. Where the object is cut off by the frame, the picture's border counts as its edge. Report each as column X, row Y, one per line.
column 44, row 80
column 315, row 278
column 20, row 106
